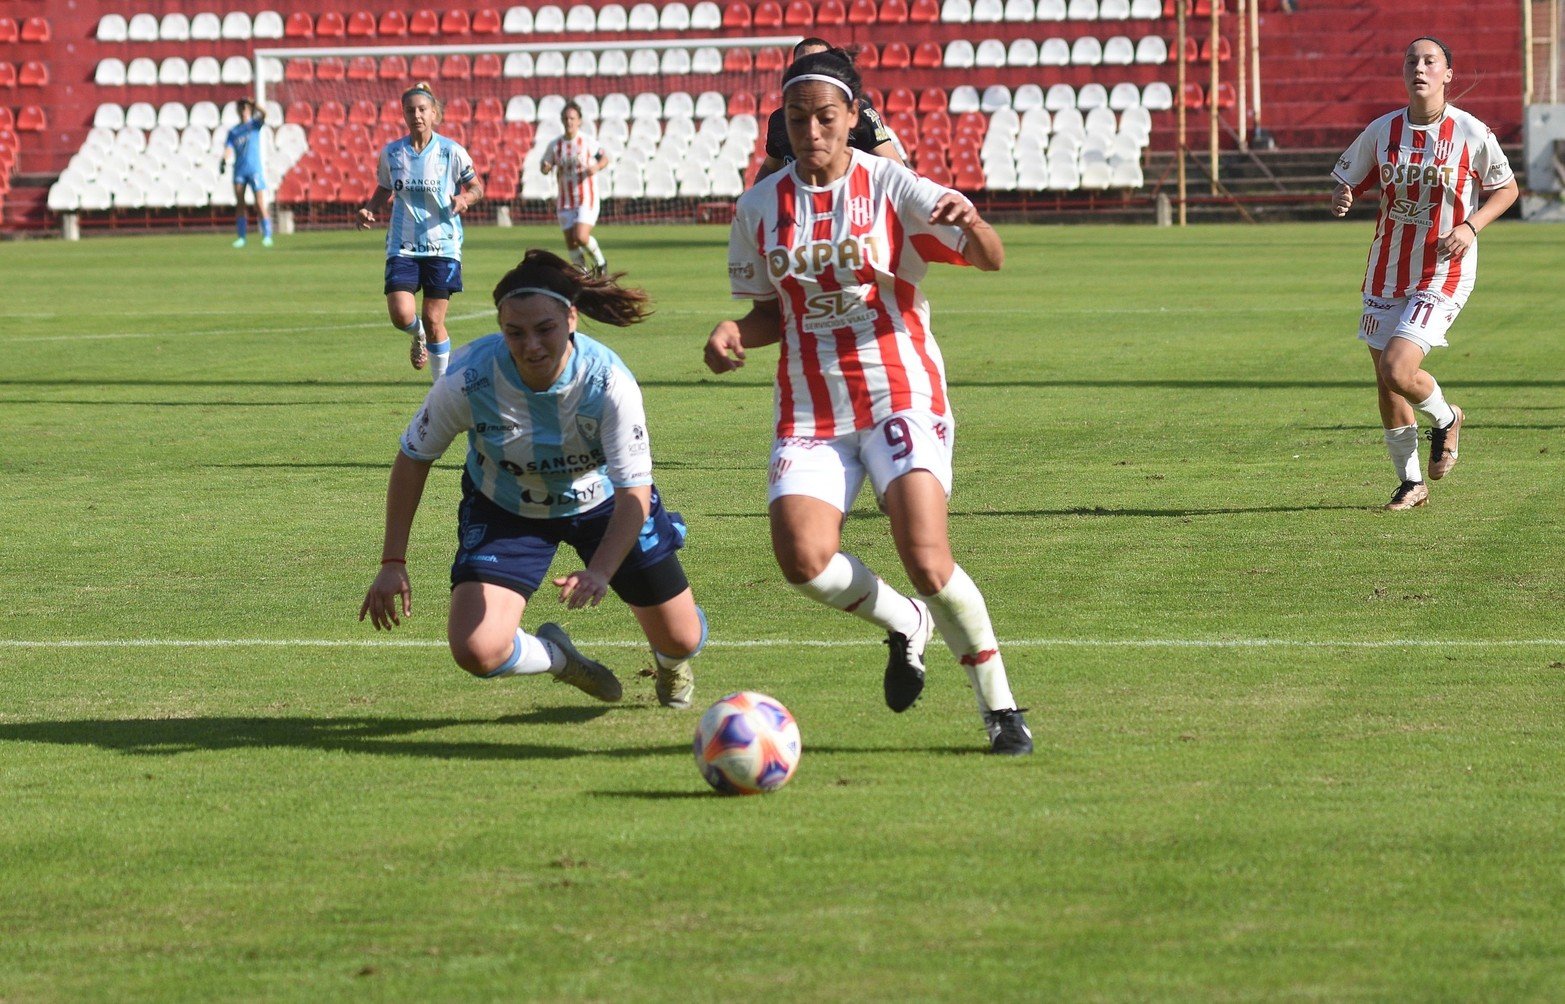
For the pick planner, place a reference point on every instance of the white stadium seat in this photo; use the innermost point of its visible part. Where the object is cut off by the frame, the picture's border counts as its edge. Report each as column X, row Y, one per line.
column 1146, row 10
column 646, row 105
column 1022, row 52
column 1060, row 96
column 236, row 26
column 707, row 60
column 143, row 28
column 995, row 97
column 706, row 16
column 1036, row 122
column 644, row 63
column 988, row 11
column 549, row 108
column 109, row 72
column 1027, row 97
column 267, row 24
column 964, row 98
column 1136, row 123
column 1152, row 50
column 517, row 21
column 643, row 17
column 550, row 63
column 173, row 114
column 1051, row 10
column 1157, row 96
column 1054, row 52
column 237, row 70
column 1068, row 122
column 205, row 114
column 674, row 16
column 518, row 65
column 615, row 105
column 675, row 62
column 1021, row 10
column 679, row 105
column 612, row 17
column 959, row 55
column 113, row 28
column 710, row 105
column 990, row 53
column 142, row 72
column 581, row 18
column 613, row 63
column 175, row 27
column 1082, row 10
column 206, row 71
column 1100, row 121
column 548, row 20
column 174, row 72
column 521, row 108
column 1124, row 95
column 1086, row 51
column 109, row 116
column 581, row 63
column 1092, row 95
column 1113, row 10
column 206, row 27
column 956, row 11
column 140, row 117
column 1119, row 51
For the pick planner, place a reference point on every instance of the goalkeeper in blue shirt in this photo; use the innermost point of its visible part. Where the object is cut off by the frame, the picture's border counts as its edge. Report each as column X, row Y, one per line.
column 242, row 152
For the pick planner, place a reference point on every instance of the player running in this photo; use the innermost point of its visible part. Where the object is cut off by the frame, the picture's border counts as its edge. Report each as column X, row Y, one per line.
column 576, row 158
column 871, row 135
column 1428, row 162
column 242, row 154
column 831, row 250
column 557, row 452
column 429, row 182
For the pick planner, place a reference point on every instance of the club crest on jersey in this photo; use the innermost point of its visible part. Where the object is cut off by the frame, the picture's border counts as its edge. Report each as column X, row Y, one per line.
column 860, row 214
column 1443, row 149
column 588, row 427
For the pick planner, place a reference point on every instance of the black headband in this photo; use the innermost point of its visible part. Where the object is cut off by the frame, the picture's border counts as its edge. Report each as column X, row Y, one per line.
column 1445, row 50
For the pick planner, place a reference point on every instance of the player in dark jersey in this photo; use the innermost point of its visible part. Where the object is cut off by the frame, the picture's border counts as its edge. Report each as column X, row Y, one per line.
column 871, row 135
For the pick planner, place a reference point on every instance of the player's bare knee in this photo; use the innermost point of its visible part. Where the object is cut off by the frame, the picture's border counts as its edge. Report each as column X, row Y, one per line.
column 477, row 657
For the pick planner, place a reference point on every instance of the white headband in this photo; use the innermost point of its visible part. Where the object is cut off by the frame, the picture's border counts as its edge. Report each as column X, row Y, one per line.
column 823, row 79
column 530, row 290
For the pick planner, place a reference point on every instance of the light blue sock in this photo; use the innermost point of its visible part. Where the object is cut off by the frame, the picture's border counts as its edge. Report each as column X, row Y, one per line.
column 439, row 357
column 266, row 226
column 241, row 223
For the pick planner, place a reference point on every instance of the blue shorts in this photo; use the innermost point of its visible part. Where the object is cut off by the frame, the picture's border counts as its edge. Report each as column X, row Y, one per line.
column 254, row 182
column 438, row 277
column 501, row 548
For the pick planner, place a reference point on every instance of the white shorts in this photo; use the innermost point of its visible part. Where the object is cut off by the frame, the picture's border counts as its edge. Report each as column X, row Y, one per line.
column 581, row 214
column 833, row 470
column 1422, row 319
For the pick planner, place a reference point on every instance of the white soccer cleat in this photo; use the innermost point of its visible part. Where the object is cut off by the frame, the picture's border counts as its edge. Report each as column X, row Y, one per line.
column 676, row 686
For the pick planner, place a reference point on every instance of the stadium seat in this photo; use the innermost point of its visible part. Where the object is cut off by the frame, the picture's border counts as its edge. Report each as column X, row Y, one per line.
column 549, row 64
column 1022, row 52
column 706, row 60
column 1060, row 96
column 706, row 16
column 143, row 28
column 457, row 110
column 1136, row 123
column 1113, row 10
column 174, row 27
column 174, row 72
column 268, row 24
column 868, row 57
column 895, row 56
column 142, row 72
column 1086, row 51
column 112, row 28
column 1146, row 10
column 1028, row 96
column 1225, row 96
column 956, row 11
column 31, row 118
column 1119, row 51
column 237, row 26
column 1100, row 121
column 581, row 63
column 741, row 103
column 393, row 67
column 994, row 98
column 772, row 59
column 1082, row 10
column 831, row 14
column 1157, row 96
column 1192, row 49
column 644, row 63
column 205, row 114
column 1051, row 10
column 425, row 66
column 580, row 19
column 923, row 12
column 36, row 30
column 1092, row 95
column 518, row 65
column 736, row 14
column 900, row 99
column 424, row 24
column 521, row 108
column 456, row 66
column 958, row 55
column 1151, row 51
column 964, row 98
column 455, row 22
column 862, row 12
column 1054, row 52
column 1194, row 95
column 486, row 21
column 932, row 100
column 331, row 68
column 362, row 68
column 675, row 62
column 674, row 16
column 988, row 11
column 487, row 66
column 612, row 18
column 737, row 60
column 1220, row 49
column 299, row 25
column 990, row 54
column 799, row 14
column 892, row 12
column 517, row 21
column 108, row 116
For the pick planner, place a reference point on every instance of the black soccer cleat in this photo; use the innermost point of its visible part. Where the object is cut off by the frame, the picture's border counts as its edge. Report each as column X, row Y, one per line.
column 905, row 662
column 1008, row 732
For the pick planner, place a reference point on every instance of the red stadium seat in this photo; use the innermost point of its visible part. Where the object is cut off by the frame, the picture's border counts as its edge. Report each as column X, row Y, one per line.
column 390, row 111
column 862, row 12
column 456, row 21
column 299, row 25
column 362, row 68
column 454, row 130
column 330, row 113
column 300, row 113
column 7, row 74
column 1194, row 97
column 868, row 57
column 1192, row 49
column 36, row 29
column 393, row 24
column 905, row 126
column 770, row 59
column 363, row 112
column 31, row 119
column 768, row 102
column 1203, row 8
column 1171, row 8
column 519, row 137
column 331, row 68
column 361, row 24
column 457, row 110
column 901, row 99
column 736, row 14
column 928, row 56
column 9, row 30
column 893, row 11
column 875, row 98
column 500, row 186
column 939, row 173
column 1224, row 53
column 768, row 14
column 968, row 179
column 299, row 69
column 831, row 13
column 738, row 60
column 424, row 23
column 35, row 73
column 486, row 21
column 425, row 67
column 933, row 99
column 323, row 189
column 490, row 109
column 923, row 12
column 895, row 56
column 487, row 66
column 456, row 67
column 742, row 103
column 1225, row 96
column 394, row 67
column 330, row 25
column 7, row 121
column 799, row 14
column 934, row 124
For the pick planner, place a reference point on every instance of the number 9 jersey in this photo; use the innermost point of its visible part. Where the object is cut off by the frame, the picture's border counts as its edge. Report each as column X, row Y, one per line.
column 845, row 262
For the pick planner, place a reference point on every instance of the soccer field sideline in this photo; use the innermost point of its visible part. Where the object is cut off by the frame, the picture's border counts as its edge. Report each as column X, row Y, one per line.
column 747, row 643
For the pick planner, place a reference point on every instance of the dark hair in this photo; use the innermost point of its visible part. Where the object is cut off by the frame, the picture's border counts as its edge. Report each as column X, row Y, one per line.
column 429, row 92
column 811, row 42
column 601, row 298
column 834, row 63
column 1445, row 50
column 571, row 106
column 243, row 105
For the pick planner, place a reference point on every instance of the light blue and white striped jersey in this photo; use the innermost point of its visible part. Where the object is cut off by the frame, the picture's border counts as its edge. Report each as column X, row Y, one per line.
column 245, row 140
column 541, row 454
column 423, row 185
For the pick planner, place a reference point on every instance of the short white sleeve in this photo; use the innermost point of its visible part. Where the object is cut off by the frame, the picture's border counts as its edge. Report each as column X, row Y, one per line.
column 627, row 447
column 914, row 197
column 747, row 277
column 462, row 165
column 445, row 414
column 383, row 169
column 1494, row 168
column 1355, row 164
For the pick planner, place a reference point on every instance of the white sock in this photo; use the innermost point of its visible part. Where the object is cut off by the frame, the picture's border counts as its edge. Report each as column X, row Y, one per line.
column 1435, row 409
column 439, row 356
column 529, row 655
column 578, row 258
column 963, row 619
column 596, row 252
column 849, row 585
column 1402, row 444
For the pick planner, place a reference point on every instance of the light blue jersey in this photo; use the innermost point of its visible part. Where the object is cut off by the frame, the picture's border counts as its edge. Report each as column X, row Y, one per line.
column 541, row 454
column 423, row 185
column 245, row 140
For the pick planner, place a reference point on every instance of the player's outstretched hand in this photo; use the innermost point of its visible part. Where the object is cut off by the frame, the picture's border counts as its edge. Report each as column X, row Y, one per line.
column 955, row 210
column 366, row 219
column 1455, row 242
column 390, row 588
column 1341, row 200
column 724, row 348
column 582, row 588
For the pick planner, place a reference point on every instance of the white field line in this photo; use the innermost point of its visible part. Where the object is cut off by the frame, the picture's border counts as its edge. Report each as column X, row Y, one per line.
column 1196, row 643
column 218, row 332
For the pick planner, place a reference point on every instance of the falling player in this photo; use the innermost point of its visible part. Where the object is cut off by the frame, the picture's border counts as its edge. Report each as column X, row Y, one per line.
column 429, row 182
column 1428, row 162
column 831, row 250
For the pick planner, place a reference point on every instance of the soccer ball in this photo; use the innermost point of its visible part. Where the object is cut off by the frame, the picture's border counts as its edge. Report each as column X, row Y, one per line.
column 747, row 743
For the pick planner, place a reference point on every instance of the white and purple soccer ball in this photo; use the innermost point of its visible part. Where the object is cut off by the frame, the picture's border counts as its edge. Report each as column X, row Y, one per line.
column 747, row 743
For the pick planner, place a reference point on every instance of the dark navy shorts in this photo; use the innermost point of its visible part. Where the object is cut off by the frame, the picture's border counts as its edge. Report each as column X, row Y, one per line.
column 504, row 549
column 437, row 277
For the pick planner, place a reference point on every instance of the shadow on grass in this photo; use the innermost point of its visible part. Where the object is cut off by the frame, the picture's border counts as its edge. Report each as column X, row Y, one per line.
column 376, row 736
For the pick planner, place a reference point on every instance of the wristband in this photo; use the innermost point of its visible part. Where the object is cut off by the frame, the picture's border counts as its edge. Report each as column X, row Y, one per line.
column 393, row 561
column 1469, row 224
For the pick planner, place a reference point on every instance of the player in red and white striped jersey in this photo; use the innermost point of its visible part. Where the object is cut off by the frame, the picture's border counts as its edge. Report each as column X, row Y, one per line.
column 1428, row 162
column 576, row 158
column 831, row 251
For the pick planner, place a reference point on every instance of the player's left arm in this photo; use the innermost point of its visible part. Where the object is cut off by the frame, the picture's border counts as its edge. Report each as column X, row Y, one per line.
column 588, row 586
column 470, row 194
column 983, row 248
column 601, row 161
column 1455, row 242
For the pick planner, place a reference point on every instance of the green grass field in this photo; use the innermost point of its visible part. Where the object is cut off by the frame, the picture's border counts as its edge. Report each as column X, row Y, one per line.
column 1289, row 746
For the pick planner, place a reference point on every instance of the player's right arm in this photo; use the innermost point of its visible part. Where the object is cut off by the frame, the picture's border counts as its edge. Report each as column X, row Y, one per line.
column 377, row 203
column 761, row 326
column 392, row 587
column 1341, row 199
